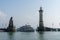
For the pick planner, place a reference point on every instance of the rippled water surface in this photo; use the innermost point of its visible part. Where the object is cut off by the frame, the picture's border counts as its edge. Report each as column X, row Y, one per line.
column 30, row 36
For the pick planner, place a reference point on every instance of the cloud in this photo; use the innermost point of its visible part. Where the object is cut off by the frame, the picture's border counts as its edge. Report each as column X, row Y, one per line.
column 2, row 16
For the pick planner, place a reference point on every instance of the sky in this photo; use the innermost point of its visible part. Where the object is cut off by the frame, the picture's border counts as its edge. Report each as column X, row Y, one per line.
column 27, row 12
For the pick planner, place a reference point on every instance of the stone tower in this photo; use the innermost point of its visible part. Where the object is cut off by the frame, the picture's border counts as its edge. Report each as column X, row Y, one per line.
column 41, row 25
column 11, row 27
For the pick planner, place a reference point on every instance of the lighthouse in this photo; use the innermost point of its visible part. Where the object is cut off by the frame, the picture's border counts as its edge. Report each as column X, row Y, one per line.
column 41, row 25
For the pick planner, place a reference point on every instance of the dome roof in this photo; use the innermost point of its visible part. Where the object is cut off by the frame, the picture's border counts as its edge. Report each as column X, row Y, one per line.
column 26, row 28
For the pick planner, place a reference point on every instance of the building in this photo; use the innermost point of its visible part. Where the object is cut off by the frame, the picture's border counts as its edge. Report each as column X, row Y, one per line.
column 25, row 28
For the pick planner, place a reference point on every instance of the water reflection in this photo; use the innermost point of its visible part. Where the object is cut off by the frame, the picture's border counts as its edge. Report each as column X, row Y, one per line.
column 41, row 35
column 10, row 35
column 41, row 32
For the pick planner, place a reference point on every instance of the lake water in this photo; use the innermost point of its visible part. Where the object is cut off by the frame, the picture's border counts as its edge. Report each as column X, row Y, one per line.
column 30, row 36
